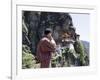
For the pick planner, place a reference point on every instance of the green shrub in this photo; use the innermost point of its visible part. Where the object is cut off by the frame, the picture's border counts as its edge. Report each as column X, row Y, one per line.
column 27, row 57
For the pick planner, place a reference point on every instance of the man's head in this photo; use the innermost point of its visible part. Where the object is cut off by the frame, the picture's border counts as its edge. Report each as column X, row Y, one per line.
column 48, row 32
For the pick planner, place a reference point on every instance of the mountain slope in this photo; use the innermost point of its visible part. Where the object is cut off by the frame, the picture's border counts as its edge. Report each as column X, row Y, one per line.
column 86, row 45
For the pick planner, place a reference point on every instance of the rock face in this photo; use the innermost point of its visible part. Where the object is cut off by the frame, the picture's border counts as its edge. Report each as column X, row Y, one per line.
column 34, row 24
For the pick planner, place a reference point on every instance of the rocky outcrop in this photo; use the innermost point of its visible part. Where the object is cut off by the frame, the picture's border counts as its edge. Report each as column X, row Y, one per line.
column 34, row 24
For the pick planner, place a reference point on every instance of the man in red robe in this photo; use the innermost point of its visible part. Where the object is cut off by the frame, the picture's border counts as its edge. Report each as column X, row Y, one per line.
column 45, row 48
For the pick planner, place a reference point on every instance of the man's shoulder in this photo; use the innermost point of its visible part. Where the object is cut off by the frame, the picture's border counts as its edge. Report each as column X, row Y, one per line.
column 45, row 39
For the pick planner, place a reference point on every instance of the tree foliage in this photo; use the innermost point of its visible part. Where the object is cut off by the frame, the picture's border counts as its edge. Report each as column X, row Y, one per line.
column 27, row 57
column 79, row 48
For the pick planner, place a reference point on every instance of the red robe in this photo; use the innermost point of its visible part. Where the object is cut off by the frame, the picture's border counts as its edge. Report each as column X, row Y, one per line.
column 44, row 49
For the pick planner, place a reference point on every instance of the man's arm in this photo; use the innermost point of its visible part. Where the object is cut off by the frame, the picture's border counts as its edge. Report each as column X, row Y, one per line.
column 49, row 45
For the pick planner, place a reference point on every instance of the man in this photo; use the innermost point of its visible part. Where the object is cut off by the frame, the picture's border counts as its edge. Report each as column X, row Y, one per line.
column 45, row 48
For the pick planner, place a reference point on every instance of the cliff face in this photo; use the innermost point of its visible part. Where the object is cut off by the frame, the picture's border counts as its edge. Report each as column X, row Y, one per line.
column 34, row 24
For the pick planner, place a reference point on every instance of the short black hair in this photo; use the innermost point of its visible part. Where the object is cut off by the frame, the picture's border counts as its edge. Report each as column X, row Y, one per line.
column 47, row 31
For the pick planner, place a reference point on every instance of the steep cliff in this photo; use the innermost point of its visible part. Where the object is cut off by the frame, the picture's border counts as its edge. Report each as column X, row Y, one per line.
column 34, row 24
